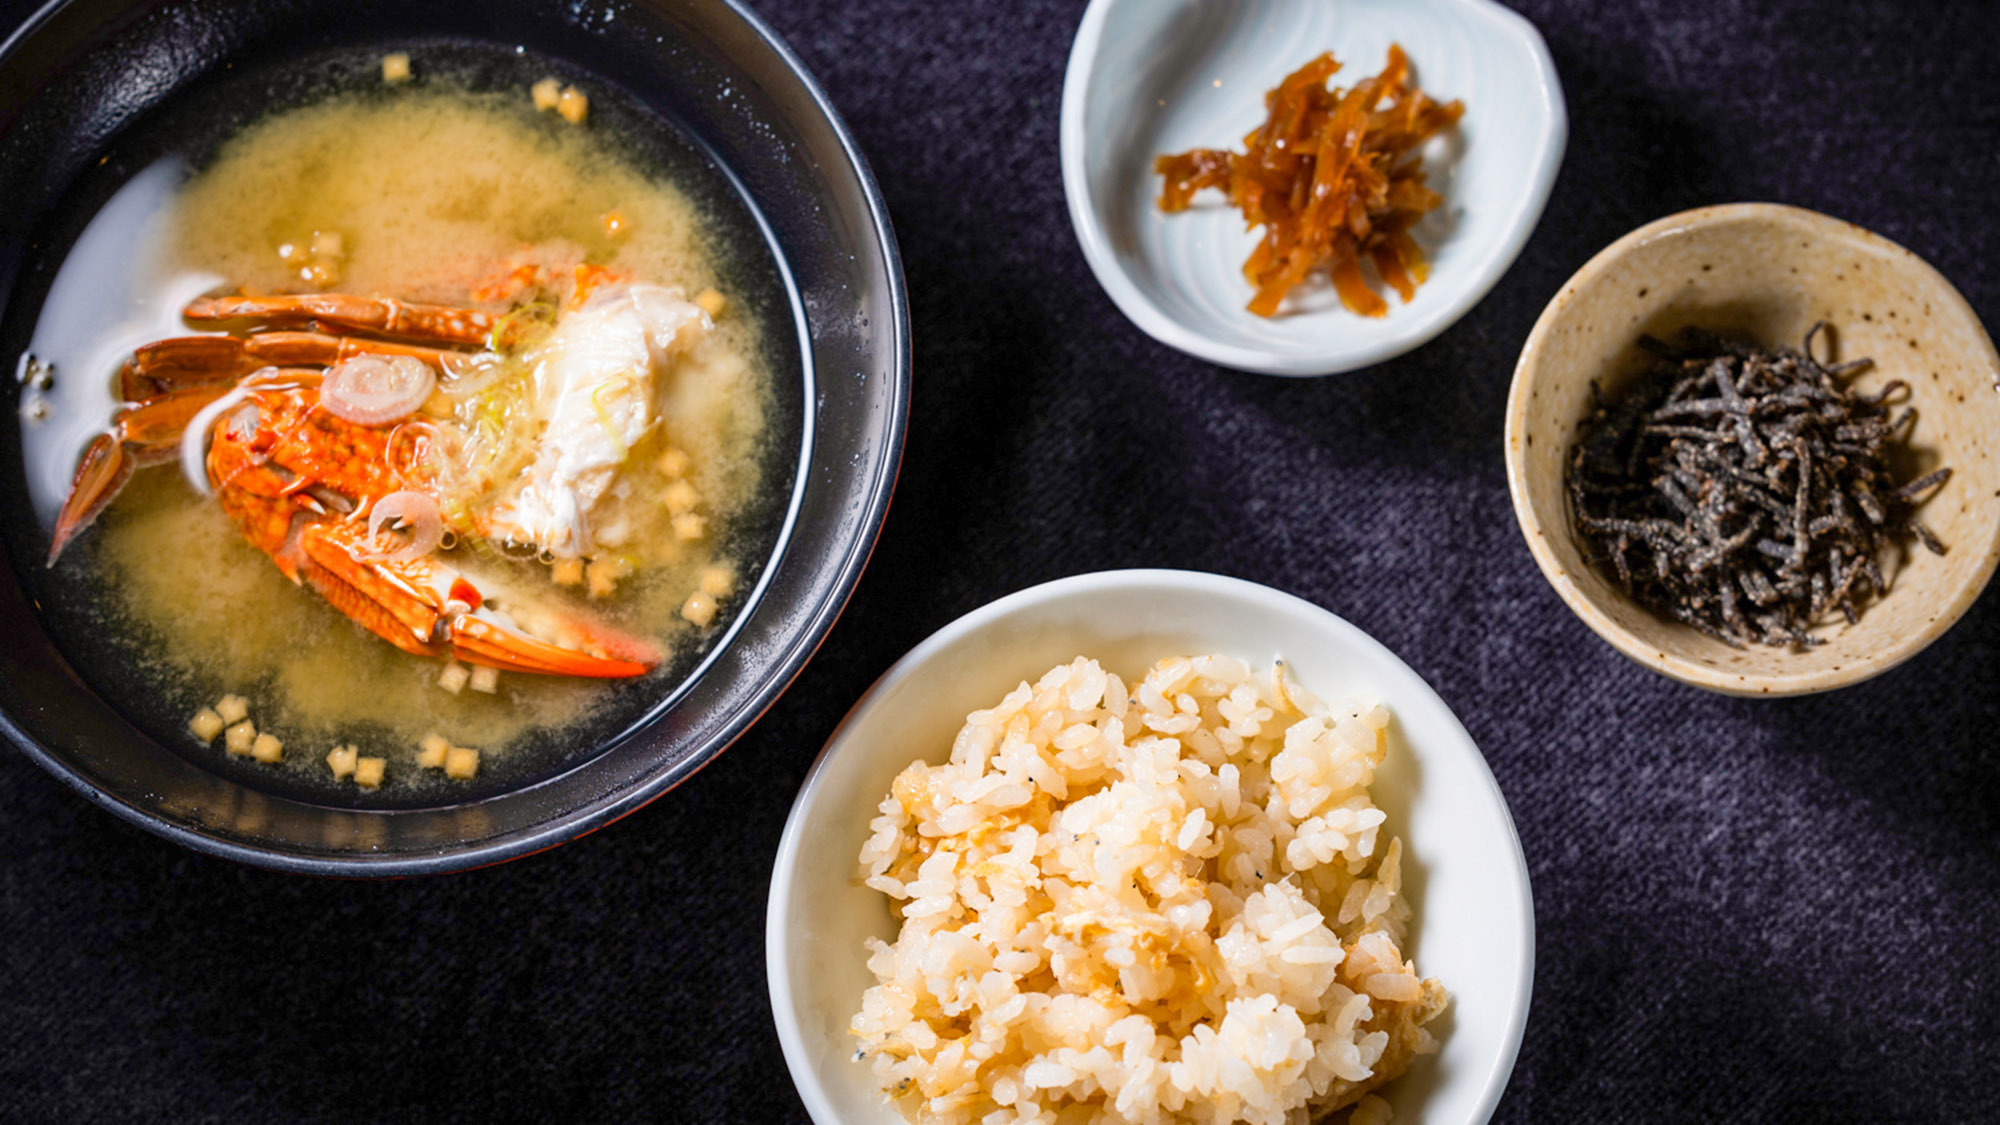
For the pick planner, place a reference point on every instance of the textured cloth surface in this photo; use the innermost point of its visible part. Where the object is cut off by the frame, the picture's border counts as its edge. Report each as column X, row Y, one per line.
column 1748, row 910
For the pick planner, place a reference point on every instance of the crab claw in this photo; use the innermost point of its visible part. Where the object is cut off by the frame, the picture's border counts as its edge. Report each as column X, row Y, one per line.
column 485, row 637
column 146, row 434
column 104, row 470
column 428, row 607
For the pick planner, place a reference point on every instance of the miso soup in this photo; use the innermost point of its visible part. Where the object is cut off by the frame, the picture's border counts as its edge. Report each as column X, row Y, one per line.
column 453, row 190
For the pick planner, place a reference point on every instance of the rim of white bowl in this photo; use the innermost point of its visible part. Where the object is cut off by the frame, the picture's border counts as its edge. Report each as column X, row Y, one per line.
column 1416, row 330
column 777, row 917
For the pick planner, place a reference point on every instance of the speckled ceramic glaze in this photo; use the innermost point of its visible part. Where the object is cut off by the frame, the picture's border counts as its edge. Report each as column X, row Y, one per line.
column 1148, row 77
column 1769, row 272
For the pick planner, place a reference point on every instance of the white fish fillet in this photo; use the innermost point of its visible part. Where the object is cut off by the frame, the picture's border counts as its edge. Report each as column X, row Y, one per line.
column 595, row 379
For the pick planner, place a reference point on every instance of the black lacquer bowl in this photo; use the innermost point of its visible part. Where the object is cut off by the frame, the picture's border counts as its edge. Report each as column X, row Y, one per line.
column 90, row 88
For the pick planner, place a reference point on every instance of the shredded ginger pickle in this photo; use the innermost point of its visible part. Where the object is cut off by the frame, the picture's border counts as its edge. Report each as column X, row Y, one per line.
column 1331, row 175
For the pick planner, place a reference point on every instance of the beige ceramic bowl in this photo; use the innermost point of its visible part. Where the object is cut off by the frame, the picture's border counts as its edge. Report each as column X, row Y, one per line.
column 1769, row 272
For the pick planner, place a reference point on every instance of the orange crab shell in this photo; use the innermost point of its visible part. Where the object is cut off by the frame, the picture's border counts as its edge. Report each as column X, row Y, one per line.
column 300, row 481
column 290, row 458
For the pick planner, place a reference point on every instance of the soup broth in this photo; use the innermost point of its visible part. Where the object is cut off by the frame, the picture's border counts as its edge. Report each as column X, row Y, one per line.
column 432, row 193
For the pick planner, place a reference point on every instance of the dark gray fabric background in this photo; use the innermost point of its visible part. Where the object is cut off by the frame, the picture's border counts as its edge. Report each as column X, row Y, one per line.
column 1780, row 911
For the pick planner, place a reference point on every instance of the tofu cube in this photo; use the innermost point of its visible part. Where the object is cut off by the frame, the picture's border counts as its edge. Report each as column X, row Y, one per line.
column 461, row 762
column 699, row 609
column 206, row 724
column 602, row 577
column 486, row 679
column 233, row 709
column 546, row 93
column 395, row 68
column 239, row 738
column 689, row 527
column 567, row 572
column 453, row 678
column 573, row 105
column 680, row 497
column 431, row 752
column 341, row 760
column 368, row 772
column 674, row 463
column 711, row 301
column 717, row 581
column 266, row 749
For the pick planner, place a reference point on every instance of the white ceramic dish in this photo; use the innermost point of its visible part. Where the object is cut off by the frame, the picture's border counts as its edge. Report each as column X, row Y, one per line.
column 1464, row 871
column 1148, row 77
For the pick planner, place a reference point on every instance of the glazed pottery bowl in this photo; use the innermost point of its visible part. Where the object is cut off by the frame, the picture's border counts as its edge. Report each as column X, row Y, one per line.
column 1768, row 273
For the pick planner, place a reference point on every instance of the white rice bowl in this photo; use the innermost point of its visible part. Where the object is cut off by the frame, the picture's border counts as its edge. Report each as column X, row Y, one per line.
column 1169, row 902
column 1463, row 872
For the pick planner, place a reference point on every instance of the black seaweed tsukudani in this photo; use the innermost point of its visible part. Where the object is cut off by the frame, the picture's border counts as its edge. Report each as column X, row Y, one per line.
column 1745, row 492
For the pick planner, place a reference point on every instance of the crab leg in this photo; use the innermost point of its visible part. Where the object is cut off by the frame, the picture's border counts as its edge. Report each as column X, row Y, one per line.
column 347, row 312
column 361, row 607
column 426, row 607
column 210, row 359
column 481, row 640
column 146, row 434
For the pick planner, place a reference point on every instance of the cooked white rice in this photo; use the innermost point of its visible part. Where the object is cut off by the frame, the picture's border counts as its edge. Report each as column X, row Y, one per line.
column 1164, row 903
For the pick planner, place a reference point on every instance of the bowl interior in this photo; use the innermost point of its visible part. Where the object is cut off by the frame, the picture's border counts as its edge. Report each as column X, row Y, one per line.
column 1149, row 78
column 68, row 312
column 707, row 77
column 1473, row 926
column 1769, row 273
